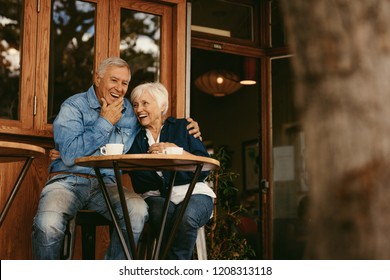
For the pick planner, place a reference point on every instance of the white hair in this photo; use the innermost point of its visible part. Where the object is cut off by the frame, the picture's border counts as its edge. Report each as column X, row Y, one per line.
column 111, row 61
column 156, row 90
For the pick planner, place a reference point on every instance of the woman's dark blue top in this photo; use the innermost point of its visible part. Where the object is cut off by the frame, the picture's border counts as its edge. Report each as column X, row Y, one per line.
column 173, row 131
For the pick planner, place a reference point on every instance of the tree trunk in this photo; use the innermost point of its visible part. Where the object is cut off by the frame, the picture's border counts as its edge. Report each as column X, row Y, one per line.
column 342, row 69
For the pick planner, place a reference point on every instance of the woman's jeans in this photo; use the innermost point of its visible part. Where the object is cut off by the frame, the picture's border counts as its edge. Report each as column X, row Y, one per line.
column 197, row 214
column 59, row 202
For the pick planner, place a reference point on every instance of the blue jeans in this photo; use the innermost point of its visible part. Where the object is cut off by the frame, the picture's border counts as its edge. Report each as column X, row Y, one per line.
column 197, row 214
column 59, row 202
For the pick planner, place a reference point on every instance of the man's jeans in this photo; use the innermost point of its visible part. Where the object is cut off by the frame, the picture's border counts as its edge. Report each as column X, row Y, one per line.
column 60, row 200
column 197, row 214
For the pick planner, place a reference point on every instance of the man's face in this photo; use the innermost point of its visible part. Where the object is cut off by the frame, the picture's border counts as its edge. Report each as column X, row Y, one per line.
column 113, row 84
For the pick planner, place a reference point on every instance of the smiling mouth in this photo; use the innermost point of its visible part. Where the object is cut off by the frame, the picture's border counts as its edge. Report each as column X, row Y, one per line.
column 114, row 95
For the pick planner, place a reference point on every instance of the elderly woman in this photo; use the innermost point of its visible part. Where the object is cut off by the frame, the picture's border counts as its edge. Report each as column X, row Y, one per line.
column 150, row 103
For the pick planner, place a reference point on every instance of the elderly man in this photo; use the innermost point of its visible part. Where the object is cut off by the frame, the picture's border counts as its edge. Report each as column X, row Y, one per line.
column 86, row 122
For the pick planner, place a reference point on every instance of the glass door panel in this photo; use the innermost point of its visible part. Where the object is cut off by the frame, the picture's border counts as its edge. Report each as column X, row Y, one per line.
column 147, row 36
column 235, row 22
column 72, row 39
column 11, row 30
column 140, row 37
column 289, row 186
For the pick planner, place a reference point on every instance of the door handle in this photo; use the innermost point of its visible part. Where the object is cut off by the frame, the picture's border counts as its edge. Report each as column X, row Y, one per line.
column 264, row 186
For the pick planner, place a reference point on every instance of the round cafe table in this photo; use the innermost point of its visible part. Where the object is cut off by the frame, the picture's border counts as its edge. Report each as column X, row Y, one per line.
column 155, row 162
column 14, row 152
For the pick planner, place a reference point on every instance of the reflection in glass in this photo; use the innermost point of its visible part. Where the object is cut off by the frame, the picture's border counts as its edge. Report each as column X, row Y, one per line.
column 71, row 51
column 277, row 26
column 290, row 182
column 223, row 18
column 140, row 45
column 11, row 15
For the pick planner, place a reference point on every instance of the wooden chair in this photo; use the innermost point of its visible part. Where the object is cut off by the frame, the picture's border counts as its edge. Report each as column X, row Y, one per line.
column 88, row 220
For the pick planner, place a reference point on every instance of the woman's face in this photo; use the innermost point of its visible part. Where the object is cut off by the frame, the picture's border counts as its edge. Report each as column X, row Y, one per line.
column 148, row 113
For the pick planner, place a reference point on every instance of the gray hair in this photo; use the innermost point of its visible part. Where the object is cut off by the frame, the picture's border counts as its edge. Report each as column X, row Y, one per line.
column 156, row 90
column 111, row 61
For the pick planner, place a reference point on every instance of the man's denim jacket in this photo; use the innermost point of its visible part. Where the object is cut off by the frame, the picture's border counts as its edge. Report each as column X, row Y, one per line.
column 79, row 131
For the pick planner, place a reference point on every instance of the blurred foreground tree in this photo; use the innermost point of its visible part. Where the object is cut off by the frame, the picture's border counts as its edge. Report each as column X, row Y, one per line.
column 342, row 67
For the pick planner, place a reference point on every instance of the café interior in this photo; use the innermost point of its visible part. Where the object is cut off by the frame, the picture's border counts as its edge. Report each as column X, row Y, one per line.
column 202, row 51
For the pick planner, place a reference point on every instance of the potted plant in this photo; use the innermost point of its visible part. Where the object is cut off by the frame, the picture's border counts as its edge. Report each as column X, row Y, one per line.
column 223, row 240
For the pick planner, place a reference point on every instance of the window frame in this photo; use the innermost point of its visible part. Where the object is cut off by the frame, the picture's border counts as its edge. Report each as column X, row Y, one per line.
column 35, row 56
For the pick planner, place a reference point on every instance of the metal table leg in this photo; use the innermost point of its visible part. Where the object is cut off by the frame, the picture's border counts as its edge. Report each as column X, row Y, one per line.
column 182, row 210
column 15, row 189
column 125, row 209
column 113, row 214
column 156, row 253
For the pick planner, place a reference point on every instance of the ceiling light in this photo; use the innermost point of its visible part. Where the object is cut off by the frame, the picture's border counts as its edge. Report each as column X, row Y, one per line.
column 248, row 76
column 218, row 82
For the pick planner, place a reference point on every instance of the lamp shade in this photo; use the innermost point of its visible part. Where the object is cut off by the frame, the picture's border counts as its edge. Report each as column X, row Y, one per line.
column 218, row 82
column 249, row 71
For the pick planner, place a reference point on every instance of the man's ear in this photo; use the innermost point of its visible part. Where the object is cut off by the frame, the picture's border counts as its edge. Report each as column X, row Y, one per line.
column 97, row 80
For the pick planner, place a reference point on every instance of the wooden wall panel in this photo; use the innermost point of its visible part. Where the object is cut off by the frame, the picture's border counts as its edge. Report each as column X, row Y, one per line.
column 15, row 232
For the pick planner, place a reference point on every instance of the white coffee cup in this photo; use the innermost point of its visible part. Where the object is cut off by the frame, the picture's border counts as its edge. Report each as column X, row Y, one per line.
column 173, row 151
column 112, row 149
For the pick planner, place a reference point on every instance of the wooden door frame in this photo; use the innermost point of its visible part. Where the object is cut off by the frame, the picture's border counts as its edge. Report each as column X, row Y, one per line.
column 173, row 44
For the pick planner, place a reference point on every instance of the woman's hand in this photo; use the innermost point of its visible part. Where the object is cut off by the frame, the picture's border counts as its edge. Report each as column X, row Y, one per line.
column 54, row 154
column 158, row 148
column 193, row 129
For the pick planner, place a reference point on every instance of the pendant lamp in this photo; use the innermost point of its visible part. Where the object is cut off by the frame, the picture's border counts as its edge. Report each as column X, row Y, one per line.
column 248, row 76
column 218, row 82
